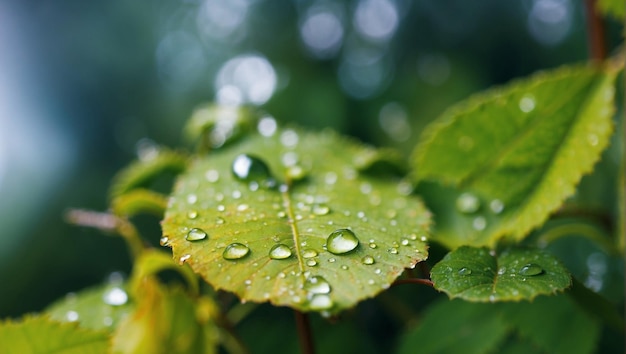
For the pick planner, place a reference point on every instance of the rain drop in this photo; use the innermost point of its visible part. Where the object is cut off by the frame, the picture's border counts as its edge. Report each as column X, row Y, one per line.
column 531, row 269
column 311, row 262
column 192, row 214
column 368, row 260
column 465, row 271
column 280, row 251
column 220, row 220
column 71, row 316
column 373, row 245
column 527, row 103
column 235, row 251
column 341, row 241
column 250, row 168
column 317, row 285
column 393, row 250
column 183, row 259
column 321, row 209
column 496, row 206
column 196, row 235
column 164, row 241
column 115, row 297
column 296, row 173
column 309, row 253
column 320, row 302
column 212, row 176
column 467, row 203
column 479, row 223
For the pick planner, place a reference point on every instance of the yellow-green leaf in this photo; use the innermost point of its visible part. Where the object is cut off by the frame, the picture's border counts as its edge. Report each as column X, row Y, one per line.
column 266, row 234
column 516, row 151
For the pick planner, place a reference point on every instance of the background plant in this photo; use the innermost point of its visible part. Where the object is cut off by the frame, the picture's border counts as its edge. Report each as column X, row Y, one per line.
column 464, row 200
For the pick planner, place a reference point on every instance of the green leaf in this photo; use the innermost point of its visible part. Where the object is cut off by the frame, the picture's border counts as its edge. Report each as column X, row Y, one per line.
column 141, row 173
column 166, row 321
column 614, row 8
column 100, row 307
column 220, row 125
column 293, row 191
column 555, row 324
column 151, row 262
column 39, row 334
column 474, row 274
column 139, row 201
column 456, row 327
column 519, row 151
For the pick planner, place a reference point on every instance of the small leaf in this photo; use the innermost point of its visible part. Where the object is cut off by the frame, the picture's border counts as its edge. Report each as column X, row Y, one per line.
column 265, row 235
column 219, row 125
column 39, row 334
column 555, row 324
column 519, row 150
column 100, row 307
column 151, row 262
column 475, row 275
column 457, row 327
column 141, row 173
column 139, row 201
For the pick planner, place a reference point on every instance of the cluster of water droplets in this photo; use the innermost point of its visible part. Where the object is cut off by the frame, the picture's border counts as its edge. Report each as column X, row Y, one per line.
column 469, row 204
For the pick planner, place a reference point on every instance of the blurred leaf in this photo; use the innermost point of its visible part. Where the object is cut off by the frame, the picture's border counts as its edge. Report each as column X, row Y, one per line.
column 139, row 201
column 100, row 307
column 142, row 172
column 518, row 151
column 225, row 228
column 555, row 324
column 39, row 334
column 456, row 327
column 152, row 262
column 614, row 8
column 516, row 274
column 165, row 321
column 218, row 125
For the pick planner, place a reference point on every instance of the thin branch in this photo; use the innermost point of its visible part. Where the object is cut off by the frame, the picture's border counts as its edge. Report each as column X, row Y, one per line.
column 413, row 281
column 304, row 333
column 595, row 32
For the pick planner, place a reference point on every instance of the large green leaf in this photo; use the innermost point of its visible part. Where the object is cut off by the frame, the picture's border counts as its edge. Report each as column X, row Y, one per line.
column 456, row 327
column 474, row 274
column 39, row 334
column 292, row 192
column 507, row 158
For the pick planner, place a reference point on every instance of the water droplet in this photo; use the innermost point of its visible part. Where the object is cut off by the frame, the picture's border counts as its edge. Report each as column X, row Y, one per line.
column 164, row 241
column 115, row 297
column 371, row 282
column 267, row 126
column 368, row 260
column 404, row 242
column 281, row 214
column 184, row 258
column 331, row 260
column 467, row 203
column 317, row 285
column 496, row 206
column 320, row 302
column 220, row 220
column 321, row 209
column 250, row 168
column 311, row 262
column 289, row 138
column 235, row 251
column 479, row 223
column 192, row 214
column 296, row 173
column 212, row 176
column 196, row 235
column 71, row 316
column 465, row 271
column 192, row 199
column 309, row 253
column 531, row 269
column 527, row 103
column 280, row 251
column 341, row 241
column 242, row 207
column 345, row 267
column 373, row 245
column 393, row 250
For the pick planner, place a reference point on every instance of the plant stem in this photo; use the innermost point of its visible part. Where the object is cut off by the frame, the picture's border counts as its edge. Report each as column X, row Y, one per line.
column 413, row 281
column 595, row 32
column 304, row 333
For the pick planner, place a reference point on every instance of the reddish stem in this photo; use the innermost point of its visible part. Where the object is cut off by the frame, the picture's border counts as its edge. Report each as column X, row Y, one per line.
column 413, row 281
column 304, row 333
column 595, row 32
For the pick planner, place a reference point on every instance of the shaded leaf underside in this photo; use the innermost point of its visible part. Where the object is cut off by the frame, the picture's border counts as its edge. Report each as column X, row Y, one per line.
column 390, row 225
column 524, row 147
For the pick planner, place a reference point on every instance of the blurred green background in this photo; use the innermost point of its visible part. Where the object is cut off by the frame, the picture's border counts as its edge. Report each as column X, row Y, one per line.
column 88, row 85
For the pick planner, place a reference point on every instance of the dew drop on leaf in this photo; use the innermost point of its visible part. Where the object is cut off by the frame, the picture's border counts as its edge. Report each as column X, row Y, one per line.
column 368, row 260
column 321, row 209
column 115, row 297
column 280, row 251
column 393, row 250
column 320, row 302
column 250, row 168
column 309, row 253
column 311, row 262
column 479, row 223
column 235, row 251
column 496, row 206
column 164, row 241
column 465, row 271
column 317, row 285
column 531, row 269
column 184, row 258
column 467, row 203
column 71, row 316
column 196, row 234
column 341, row 241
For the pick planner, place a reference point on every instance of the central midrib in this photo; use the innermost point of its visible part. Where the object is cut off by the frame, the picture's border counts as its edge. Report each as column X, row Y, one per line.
column 294, row 228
